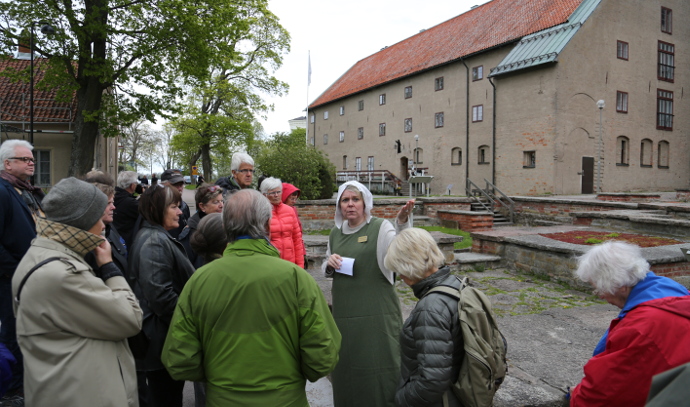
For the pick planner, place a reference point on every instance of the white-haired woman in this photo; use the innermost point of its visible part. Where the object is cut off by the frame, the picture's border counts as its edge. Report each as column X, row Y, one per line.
column 431, row 339
column 365, row 305
column 649, row 336
column 286, row 233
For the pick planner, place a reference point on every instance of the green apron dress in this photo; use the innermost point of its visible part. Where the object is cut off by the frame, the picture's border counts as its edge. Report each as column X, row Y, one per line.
column 367, row 311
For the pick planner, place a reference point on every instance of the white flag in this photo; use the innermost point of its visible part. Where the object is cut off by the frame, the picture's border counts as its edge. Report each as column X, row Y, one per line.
column 309, row 70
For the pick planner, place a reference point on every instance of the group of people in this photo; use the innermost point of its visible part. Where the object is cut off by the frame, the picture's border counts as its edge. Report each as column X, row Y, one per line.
column 119, row 300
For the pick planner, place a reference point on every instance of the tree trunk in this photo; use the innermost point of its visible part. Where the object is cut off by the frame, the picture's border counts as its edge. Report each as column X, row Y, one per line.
column 206, row 164
column 85, row 132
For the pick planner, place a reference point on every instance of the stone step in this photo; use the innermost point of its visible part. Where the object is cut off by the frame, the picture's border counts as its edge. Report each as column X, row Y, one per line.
column 475, row 261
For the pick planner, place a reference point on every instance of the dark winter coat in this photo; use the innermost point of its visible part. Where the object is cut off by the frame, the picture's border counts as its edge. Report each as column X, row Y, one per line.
column 160, row 268
column 125, row 214
column 228, row 184
column 17, row 228
column 431, row 346
column 186, row 237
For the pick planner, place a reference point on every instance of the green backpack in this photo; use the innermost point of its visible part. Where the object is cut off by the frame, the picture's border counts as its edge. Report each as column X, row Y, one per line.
column 484, row 364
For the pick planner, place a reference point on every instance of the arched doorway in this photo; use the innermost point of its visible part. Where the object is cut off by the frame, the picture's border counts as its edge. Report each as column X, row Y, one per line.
column 404, row 173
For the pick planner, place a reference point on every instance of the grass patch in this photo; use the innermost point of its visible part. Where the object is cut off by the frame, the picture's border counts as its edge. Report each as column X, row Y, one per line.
column 466, row 239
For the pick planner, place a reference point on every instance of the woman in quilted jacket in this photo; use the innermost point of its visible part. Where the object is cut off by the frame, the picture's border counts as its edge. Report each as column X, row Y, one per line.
column 431, row 343
column 286, row 233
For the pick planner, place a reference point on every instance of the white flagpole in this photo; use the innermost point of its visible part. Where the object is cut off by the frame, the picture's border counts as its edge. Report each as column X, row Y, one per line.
column 308, row 83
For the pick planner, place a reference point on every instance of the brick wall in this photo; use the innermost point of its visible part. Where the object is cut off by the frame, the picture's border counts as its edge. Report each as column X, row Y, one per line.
column 628, row 197
column 468, row 221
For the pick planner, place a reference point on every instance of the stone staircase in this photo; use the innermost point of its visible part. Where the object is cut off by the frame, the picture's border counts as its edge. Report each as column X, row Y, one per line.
column 499, row 219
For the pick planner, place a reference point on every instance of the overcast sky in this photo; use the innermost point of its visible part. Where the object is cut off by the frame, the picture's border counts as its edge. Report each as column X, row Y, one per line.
column 340, row 33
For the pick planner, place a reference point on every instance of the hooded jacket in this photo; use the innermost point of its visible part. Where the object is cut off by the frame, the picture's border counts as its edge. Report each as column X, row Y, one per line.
column 649, row 337
column 72, row 326
column 254, row 328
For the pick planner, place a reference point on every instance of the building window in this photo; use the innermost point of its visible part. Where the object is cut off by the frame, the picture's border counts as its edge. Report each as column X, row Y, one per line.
column 666, row 61
column 438, row 83
column 342, row 136
column 42, row 168
column 342, row 110
column 663, row 152
column 456, row 156
column 360, row 133
column 622, row 50
column 666, row 20
column 325, row 139
column 325, row 115
column 382, row 99
column 370, row 163
column 483, row 155
column 408, row 125
column 622, row 102
column 418, row 156
column 408, row 92
column 622, row 150
column 311, row 119
column 358, row 164
column 438, row 121
column 382, row 129
column 646, row 153
column 664, row 109
column 529, row 159
column 344, row 162
column 477, row 73
column 477, row 113
column 360, row 105
column 312, row 141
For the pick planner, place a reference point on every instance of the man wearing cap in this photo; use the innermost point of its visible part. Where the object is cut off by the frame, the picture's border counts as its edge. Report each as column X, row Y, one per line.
column 242, row 167
column 72, row 321
column 175, row 179
column 20, row 205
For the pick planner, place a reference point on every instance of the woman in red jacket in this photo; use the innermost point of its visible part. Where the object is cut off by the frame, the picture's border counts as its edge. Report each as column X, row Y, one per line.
column 650, row 335
column 286, row 233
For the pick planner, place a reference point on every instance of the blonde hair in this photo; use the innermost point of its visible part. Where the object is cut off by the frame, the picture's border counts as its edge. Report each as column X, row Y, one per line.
column 413, row 253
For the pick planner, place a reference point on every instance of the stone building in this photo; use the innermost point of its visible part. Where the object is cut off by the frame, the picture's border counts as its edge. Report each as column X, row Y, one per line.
column 509, row 92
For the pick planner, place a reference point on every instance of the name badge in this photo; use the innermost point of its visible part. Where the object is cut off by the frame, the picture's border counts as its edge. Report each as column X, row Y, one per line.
column 361, row 239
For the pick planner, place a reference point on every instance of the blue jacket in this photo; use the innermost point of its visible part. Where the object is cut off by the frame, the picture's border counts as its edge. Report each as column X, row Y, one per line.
column 651, row 288
column 17, row 228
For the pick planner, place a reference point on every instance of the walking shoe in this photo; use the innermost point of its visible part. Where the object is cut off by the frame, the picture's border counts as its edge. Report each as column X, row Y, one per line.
column 12, row 401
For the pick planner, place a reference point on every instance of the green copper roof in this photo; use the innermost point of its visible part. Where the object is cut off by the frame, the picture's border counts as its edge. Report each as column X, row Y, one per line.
column 544, row 46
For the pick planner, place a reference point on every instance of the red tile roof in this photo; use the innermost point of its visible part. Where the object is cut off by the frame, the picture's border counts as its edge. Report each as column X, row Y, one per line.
column 14, row 97
column 489, row 25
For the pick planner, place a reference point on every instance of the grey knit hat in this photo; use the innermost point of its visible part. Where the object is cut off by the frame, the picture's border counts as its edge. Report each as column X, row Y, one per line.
column 75, row 203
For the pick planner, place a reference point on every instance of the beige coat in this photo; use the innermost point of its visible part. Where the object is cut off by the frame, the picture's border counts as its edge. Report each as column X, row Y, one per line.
column 73, row 328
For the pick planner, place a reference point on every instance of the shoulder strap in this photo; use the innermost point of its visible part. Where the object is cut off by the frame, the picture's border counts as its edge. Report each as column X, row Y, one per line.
column 26, row 277
column 450, row 291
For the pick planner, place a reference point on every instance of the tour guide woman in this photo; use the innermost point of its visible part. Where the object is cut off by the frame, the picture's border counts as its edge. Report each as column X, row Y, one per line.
column 365, row 305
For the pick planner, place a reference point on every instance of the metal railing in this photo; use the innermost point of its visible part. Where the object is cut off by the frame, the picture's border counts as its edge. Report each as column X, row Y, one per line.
column 384, row 179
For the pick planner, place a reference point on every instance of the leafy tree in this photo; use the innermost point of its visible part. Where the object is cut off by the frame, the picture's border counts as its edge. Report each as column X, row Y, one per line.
column 288, row 157
column 131, row 60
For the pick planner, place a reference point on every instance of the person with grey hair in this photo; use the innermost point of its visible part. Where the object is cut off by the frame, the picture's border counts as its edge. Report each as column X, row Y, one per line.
column 73, row 321
column 254, row 327
column 365, row 303
column 126, row 206
column 242, row 167
column 286, row 231
column 20, row 206
column 649, row 336
column 431, row 339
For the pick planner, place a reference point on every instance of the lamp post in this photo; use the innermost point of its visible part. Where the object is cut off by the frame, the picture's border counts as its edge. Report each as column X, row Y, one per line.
column 45, row 29
column 600, row 104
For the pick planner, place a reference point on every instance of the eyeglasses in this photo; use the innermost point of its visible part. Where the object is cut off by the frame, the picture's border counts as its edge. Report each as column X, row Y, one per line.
column 247, row 171
column 25, row 159
column 273, row 193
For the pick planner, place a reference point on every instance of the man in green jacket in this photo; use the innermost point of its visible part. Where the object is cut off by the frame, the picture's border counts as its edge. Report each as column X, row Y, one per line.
column 252, row 326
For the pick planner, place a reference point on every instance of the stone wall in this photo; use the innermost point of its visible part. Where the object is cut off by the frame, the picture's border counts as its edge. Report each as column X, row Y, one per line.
column 528, row 210
column 467, row 220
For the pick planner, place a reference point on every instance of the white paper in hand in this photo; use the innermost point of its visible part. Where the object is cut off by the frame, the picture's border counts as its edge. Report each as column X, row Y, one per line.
column 346, row 266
